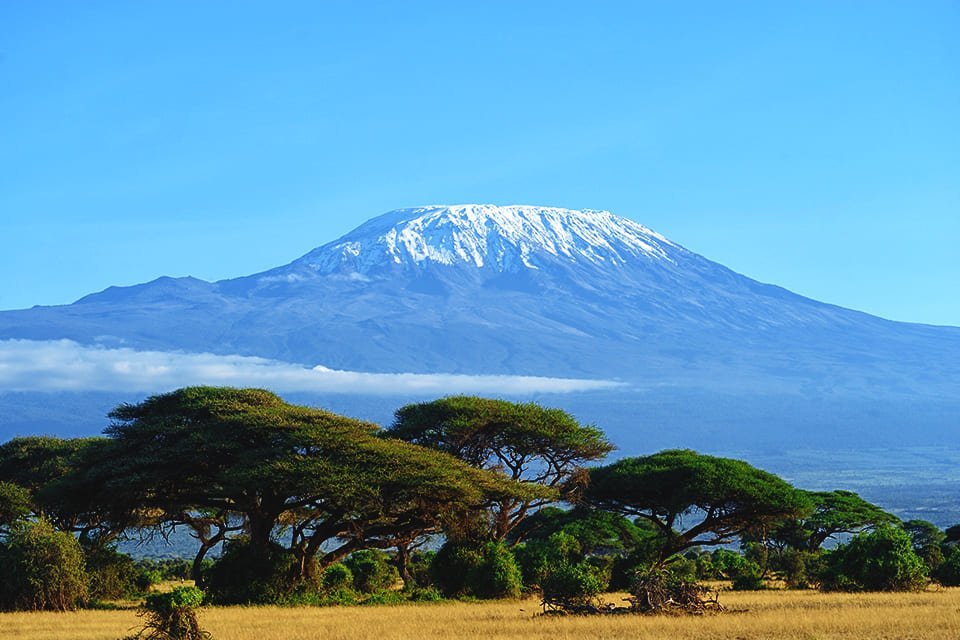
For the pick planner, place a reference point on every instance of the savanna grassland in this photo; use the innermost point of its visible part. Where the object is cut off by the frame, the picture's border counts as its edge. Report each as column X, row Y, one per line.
column 774, row 614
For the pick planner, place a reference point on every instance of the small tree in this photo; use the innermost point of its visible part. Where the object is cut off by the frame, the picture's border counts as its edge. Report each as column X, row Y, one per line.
column 720, row 498
column 878, row 560
column 42, row 569
column 527, row 442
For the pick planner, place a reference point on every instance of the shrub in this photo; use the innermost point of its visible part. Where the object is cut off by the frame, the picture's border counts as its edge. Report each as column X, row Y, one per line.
column 948, row 573
column 42, row 569
column 372, row 571
column 337, row 576
column 570, row 587
column 536, row 557
column 113, row 575
column 879, row 560
column 453, row 567
column 147, row 578
column 242, row 576
column 487, row 571
column 172, row 616
column 419, row 569
column 498, row 575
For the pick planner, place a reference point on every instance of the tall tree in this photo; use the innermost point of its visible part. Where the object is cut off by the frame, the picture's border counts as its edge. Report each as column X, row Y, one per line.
column 525, row 441
column 693, row 499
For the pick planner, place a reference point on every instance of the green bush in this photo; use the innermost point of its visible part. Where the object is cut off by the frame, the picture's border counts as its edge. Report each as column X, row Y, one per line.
column 948, row 573
column 498, row 575
column 425, row 594
column 537, row 557
column 113, row 575
column 568, row 586
column 337, row 576
column 372, row 571
column 881, row 560
column 242, row 576
column 419, row 569
column 172, row 616
column 485, row 571
column 453, row 567
column 42, row 569
column 147, row 578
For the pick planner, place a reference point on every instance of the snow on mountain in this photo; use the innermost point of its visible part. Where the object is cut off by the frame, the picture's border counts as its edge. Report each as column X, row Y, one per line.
column 498, row 238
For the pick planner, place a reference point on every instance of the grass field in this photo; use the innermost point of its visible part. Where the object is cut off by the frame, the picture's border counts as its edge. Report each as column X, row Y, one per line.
column 788, row 615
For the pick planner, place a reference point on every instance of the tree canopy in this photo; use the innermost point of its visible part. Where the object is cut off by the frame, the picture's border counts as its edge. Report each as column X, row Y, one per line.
column 719, row 498
column 246, row 453
column 525, row 441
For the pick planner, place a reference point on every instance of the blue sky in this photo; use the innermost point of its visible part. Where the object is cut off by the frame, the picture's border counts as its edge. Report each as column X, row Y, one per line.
column 812, row 145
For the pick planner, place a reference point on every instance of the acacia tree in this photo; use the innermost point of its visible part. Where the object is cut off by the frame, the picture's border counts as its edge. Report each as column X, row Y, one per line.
column 834, row 513
column 525, row 441
column 693, row 499
column 37, row 464
column 248, row 455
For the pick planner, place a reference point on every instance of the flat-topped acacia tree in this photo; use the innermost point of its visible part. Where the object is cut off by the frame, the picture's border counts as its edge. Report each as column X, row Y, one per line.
column 694, row 499
column 323, row 477
column 525, row 441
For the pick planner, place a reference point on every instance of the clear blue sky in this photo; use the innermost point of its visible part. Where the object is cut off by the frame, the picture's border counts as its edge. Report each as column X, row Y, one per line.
column 812, row 145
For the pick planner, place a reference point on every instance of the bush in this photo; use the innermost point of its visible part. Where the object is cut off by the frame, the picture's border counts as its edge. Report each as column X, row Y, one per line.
column 242, row 576
column 337, row 576
column 113, row 575
column 42, row 569
column 148, row 578
column 881, row 560
column 419, row 569
column 536, row 558
column 487, row 571
column 498, row 576
column 453, row 567
column 172, row 616
column 372, row 571
column 572, row 586
column 948, row 573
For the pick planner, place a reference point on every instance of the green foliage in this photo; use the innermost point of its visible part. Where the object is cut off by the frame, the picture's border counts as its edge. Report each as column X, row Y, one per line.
column 488, row 570
column 247, row 575
column 419, row 569
column 724, row 497
column 498, row 575
column 926, row 538
column 537, row 557
column 834, row 512
column 112, row 575
column 568, row 586
column 879, row 560
column 42, row 569
column 327, row 478
column 948, row 573
column 425, row 594
column 147, row 578
column 337, row 576
column 172, row 616
column 526, row 441
column 14, row 503
column 372, row 571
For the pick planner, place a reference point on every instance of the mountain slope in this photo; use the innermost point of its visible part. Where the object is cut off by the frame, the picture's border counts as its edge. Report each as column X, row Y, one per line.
column 522, row 290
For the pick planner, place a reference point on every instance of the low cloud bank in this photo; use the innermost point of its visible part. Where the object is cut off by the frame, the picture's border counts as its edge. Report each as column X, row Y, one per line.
column 64, row 365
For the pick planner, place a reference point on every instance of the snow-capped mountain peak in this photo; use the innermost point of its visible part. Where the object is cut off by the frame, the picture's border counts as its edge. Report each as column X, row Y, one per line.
column 500, row 238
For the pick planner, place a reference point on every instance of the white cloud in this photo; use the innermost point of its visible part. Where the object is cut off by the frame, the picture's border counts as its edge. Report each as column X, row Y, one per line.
column 64, row 365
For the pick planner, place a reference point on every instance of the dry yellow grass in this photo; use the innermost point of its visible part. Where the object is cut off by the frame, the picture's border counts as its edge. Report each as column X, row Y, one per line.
column 784, row 615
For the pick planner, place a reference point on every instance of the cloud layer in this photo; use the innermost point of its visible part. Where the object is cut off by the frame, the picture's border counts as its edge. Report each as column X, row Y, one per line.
column 64, row 365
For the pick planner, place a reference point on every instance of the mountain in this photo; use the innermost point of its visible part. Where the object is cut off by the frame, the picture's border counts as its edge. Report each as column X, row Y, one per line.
column 482, row 289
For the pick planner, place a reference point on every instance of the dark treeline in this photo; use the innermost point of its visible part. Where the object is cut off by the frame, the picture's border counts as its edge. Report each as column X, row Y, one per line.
column 314, row 507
